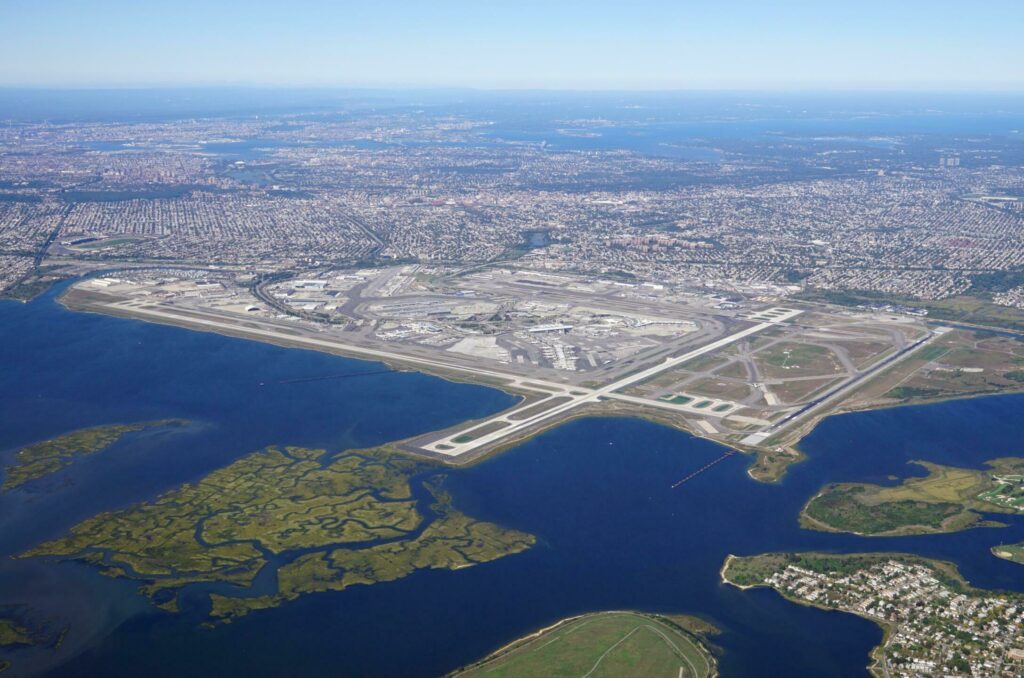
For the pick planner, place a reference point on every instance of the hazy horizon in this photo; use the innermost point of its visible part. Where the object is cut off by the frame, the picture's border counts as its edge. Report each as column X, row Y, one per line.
column 621, row 106
column 585, row 46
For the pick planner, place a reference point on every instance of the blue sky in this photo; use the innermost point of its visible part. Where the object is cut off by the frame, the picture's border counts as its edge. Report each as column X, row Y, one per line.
column 643, row 44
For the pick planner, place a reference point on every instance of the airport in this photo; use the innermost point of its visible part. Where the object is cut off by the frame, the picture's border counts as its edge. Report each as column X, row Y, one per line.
column 751, row 372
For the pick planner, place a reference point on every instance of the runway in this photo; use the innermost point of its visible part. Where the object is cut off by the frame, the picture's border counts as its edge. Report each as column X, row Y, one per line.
column 457, row 444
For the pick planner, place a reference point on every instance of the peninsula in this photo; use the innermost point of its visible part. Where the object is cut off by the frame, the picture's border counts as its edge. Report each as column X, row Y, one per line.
column 625, row 644
column 934, row 621
column 948, row 499
column 755, row 374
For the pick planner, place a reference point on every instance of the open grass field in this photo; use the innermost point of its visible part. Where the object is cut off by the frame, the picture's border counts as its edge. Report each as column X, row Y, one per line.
column 792, row 391
column 705, row 362
column 730, row 390
column 736, row 370
column 943, row 483
column 1012, row 552
column 110, row 242
column 665, row 380
column 790, row 359
column 865, row 353
column 612, row 644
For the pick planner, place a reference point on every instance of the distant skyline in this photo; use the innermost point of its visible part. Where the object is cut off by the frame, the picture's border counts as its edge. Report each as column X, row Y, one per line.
column 640, row 45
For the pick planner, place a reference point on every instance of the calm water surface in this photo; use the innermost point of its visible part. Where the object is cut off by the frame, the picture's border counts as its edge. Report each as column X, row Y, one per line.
column 612, row 533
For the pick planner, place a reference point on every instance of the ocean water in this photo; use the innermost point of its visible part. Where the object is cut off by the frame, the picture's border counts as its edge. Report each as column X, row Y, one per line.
column 612, row 533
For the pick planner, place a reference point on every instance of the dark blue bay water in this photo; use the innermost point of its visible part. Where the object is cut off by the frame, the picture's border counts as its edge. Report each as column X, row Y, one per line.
column 612, row 533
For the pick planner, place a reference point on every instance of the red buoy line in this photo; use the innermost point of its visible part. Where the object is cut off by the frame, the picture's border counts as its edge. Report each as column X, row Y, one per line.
column 704, row 468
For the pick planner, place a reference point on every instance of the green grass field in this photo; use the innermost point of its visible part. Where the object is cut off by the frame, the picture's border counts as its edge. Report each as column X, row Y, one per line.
column 1012, row 552
column 612, row 644
column 932, row 352
column 791, row 359
column 112, row 242
column 1008, row 493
